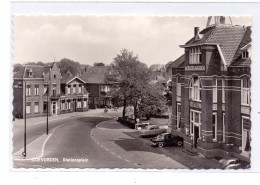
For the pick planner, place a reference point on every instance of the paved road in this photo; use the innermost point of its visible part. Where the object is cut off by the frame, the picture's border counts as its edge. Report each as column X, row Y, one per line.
column 95, row 141
column 69, row 146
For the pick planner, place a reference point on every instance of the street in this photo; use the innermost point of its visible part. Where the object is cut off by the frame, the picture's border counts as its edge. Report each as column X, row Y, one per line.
column 95, row 141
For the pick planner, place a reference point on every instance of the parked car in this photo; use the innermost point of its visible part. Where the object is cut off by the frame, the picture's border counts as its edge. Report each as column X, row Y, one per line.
column 234, row 163
column 151, row 130
column 166, row 139
column 140, row 126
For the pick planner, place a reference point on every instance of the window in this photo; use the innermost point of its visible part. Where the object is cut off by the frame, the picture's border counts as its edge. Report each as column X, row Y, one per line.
column 245, row 54
column 195, row 55
column 68, row 89
column 245, row 91
column 54, row 76
column 45, row 88
column 224, row 128
column 79, row 103
column 178, row 86
column 195, row 89
column 223, row 90
column 36, row 90
column 36, row 107
column 28, row 107
column 69, row 105
column 74, row 88
column 246, row 134
column 85, row 102
column 28, row 90
column 178, row 115
column 215, row 90
column 30, row 73
column 195, row 120
column 80, row 88
column 214, row 126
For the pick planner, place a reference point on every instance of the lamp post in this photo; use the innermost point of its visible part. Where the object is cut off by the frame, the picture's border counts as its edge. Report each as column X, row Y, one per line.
column 24, row 152
column 47, row 121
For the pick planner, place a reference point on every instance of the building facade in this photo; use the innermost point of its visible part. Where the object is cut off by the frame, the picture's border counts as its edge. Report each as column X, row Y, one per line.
column 38, row 89
column 98, row 89
column 211, row 91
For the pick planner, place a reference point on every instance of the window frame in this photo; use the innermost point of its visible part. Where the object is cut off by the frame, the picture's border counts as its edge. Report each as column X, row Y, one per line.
column 215, row 90
column 193, row 122
column 195, row 89
column 178, row 116
column 245, row 91
column 28, row 90
column 215, row 125
column 223, row 90
column 36, row 104
column 195, row 55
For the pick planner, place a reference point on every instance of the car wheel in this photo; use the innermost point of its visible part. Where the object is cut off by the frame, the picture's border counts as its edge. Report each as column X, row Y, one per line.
column 179, row 143
column 160, row 144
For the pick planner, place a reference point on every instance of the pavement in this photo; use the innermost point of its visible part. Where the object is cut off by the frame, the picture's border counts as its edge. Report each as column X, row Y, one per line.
column 121, row 140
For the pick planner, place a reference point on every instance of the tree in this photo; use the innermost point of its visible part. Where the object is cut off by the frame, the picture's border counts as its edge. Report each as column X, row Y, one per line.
column 133, row 84
column 67, row 65
column 17, row 67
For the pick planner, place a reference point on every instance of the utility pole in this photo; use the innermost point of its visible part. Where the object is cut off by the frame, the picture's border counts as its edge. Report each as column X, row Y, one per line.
column 24, row 152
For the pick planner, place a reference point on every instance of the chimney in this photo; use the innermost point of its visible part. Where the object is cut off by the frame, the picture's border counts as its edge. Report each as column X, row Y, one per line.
column 196, row 33
column 222, row 20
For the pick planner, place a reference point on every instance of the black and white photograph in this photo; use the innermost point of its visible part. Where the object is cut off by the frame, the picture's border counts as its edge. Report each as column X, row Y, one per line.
column 131, row 92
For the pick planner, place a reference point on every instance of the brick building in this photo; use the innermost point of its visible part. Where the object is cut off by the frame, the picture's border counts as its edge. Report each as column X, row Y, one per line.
column 32, row 82
column 98, row 89
column 43, row 88
column 211, row 91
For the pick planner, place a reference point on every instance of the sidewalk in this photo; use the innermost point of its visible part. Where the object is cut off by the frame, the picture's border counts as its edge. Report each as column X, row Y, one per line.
column 42, row 119
column 126, row 143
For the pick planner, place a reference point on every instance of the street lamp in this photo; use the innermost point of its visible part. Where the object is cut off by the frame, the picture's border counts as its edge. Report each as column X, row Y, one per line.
column 47, row 122
column 24, row 152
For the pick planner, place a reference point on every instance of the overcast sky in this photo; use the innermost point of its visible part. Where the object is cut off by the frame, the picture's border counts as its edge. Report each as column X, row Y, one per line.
column 90, row 39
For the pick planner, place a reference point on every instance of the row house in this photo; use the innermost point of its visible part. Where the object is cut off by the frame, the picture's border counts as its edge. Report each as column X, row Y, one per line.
column 98, row 89
column 38, row 89
column 211, row 91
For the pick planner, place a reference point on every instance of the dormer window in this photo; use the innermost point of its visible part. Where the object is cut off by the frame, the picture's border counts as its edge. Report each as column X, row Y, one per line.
column 30, row 73
column 245, row 54
column 195, row 55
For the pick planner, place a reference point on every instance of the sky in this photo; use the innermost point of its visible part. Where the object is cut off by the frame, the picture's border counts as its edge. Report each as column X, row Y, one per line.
column 90, row 39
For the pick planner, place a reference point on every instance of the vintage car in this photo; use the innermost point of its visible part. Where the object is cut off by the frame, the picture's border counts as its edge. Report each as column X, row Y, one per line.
column 151, row 130
column 166, row 139
column 140, row 126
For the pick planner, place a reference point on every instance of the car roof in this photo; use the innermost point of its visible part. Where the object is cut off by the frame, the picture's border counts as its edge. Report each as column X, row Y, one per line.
column 150, row 126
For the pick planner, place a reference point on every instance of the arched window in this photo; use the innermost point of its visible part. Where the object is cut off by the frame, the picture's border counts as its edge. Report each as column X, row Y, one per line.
column 245, row 91
column 195, row 89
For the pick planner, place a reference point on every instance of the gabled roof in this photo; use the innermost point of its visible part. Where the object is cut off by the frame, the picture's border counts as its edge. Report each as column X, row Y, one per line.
column 37, row 71
column 228, row 37
column 95, row 75
column 179, row 62
column 68, row 79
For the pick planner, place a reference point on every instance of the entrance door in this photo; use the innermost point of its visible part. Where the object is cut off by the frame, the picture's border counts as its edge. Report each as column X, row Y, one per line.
column 54, row 106
column 196, row 136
